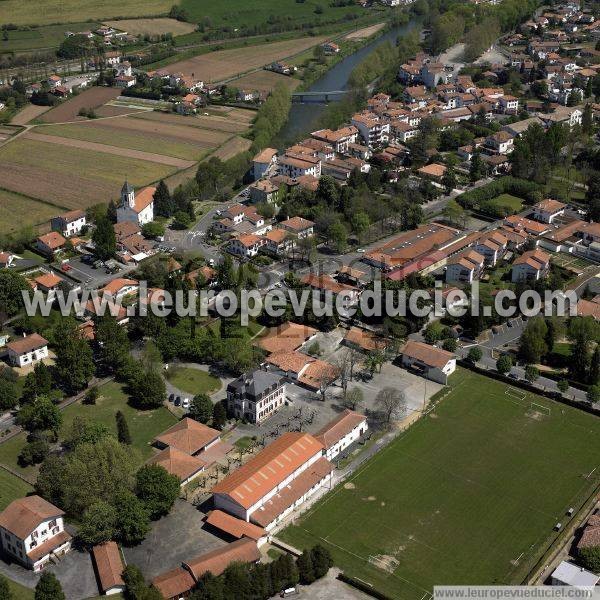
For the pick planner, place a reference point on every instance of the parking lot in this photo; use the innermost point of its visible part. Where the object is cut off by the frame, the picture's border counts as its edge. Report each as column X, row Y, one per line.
column 83, row 271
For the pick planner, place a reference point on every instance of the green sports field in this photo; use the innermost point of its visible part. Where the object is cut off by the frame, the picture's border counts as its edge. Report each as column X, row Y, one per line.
column 468, row 495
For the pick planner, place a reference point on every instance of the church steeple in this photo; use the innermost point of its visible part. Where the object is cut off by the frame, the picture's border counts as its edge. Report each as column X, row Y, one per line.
column 127, row 195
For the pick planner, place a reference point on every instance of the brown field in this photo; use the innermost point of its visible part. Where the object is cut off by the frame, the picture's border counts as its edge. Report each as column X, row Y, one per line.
column 232, row 147
column 152, row 26
column 71, row 177
column 18, row 211
column 264, row 81
column 212, row 122
column 223, row 64
column 127, row 152
column 365, row 32
column 238, row 114
column 30, row 112
column 91, row 98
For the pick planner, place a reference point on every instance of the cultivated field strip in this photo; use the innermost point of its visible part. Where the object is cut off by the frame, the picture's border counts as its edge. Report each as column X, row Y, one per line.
column 212, row 122
column 91, row 98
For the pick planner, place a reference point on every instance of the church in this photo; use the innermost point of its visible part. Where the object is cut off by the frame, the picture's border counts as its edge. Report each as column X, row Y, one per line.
column 137, row 208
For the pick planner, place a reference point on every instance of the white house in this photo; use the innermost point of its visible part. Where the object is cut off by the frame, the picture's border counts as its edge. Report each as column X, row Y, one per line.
column 50, row 243
column 256, row 396
column 342, row 432
column 547, row 210
column 530, row 266
column 297, row 165
column 298, row 226
column 500, row 142
column 27, row 350
column 434, row 363
column 263, row 161
column 491, row 247
column 374, row 130
column 246, row 246
column 569, row 574
column 339, row 139
column 32, row 532
column 464, row 268
column 275, row 481
column 6, row 259
column 137, row 208
column 70, row 223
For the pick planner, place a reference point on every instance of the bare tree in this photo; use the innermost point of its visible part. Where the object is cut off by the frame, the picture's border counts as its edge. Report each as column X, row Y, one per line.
column 326, row 381
column 343, row 364
column 354, row 358
column 392, row 403
column 354, row 398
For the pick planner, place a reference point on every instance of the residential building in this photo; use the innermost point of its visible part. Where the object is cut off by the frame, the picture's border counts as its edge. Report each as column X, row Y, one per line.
column 277, row 241
column 345, row 430
column 275, row 481
column 264, row 191
column 32, row 532
column 364, row 340
column 373, row 130
column 288, row 337
column 256, row 396
column 500, row 142
column 297, row 165
column 188, row 436
column 6, row 260
column 246, row 246
column 530, row 266
column 71, row 223
column 48, row 283
column 137, row 208
column 491, row 246
column 434, row 363
column 465, row 267
column 50, row 243
column 548, row 210
column 263, row 161
column 298, row 226
column 434, row 171
column 181, row 464
column 27, row 350
column 330, row 47
column 339, row 139
column 109, row 568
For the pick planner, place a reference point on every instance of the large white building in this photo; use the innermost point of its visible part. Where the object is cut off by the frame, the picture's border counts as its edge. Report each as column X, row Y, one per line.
column 32, row 531
column 137, row 208
column 27, row 350
column 530, row 266
column 278, row 479
column 256, row 396
column 338, row 435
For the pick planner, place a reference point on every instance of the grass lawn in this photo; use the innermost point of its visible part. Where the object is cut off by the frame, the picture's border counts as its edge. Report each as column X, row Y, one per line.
column 194, row 381
column 11, row 488
column 20, row 592
column 508, row 202
column 18, row 211
column 144, row 425
column 50, row 36
column 468, row 495
column 243, row 443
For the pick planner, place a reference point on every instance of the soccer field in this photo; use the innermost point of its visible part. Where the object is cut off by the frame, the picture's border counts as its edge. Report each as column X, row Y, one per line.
column 468, row 495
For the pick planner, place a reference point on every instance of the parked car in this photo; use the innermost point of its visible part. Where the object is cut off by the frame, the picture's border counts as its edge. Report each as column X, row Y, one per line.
column 186, row 403
column 177, row 401
column 66, row 268
column 171, row 397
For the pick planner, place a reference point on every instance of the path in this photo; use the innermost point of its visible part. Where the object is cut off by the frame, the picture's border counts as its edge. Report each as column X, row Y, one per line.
column 126, row 152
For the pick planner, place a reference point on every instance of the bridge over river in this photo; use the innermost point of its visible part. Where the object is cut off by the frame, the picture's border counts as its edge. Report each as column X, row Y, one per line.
column 318, row 97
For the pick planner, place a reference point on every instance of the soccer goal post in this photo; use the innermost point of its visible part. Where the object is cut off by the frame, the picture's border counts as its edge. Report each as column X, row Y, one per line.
column 541, row 408
column 515, row 393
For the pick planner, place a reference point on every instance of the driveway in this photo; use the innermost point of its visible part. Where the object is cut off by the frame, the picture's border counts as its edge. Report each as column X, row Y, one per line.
column 173, row 539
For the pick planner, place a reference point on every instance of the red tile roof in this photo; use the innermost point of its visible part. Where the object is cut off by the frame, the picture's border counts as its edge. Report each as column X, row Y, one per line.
column 109, row 565
column 341, row 426
column 27, row 344
column 53, row 240
column 174, row 583
column 22, row 516
column 234, row 526
column 215, row 562
column 178, row 463
column 188, row 435
column 429, row 355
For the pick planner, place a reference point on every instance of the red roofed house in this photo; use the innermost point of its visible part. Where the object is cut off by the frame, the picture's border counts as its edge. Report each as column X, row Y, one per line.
column 530, row 266
column 263, row 161
column 27, row 350
column 246, row 246
column 6, row 259
column 140, row 208
column 109, row 568
column 275, row 481
column 547, row 210
column 433, row 171
column 32, row 531
column 189, row 436
column 465, row 267
column 48, row 283
column 298, row 226
column 342, row 432
column 234, row 527
column 432, row 362
column 178, row 463
column 50, row 243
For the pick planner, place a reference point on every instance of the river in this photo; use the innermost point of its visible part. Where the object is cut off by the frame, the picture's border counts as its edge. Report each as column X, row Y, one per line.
column 305, row 117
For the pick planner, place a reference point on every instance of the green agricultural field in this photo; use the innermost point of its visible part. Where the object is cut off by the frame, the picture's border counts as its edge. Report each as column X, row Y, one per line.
column 11, row 488
column 194, row 381
column 237, row 13
column 46, row 12
column 38, row 38
column 17, row 211
column 468, row 495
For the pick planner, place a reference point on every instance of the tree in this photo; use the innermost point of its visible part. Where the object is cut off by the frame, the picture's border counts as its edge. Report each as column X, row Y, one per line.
column 360, row 223
column 123, row 434
column 12, row 285
column 305, row 568
column 592, row 196
column 48, row 588
column 338, row 236
column 391, row 402
column 112, row 341
column 201, row 408
column 98, row 524
column 153, row 230
column 587, row 120
column 135, row 586
column 34, row 452
column 450, row 345
column 593, row 394
column 562, row 385
column 532, row 345
column 354, row 398
column 84, row 431
column 9, row 394
column 594, row 376
column 476, row 168
column 504, row 364
column 219, row 416
column 38, row 383
column 40, row 415
column 449, row 179
column 590, row 558
column 157, row 489
column 148, row 389
column 531, row 373
column 74, row 365
column 454, row 213
column 133, row 520
column 5, row 592
column 105, row 241
column 321, row 560
column 474, row 354
column 164, row 206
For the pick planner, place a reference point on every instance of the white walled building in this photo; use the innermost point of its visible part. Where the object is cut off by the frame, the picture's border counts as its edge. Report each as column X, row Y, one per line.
column 276, row 481
column 137, row 208
column 70, row 223
column 548, row 210
column 27, row 350
column 342, row 432
column 434, row 363
column 530, row 266
column 256, row 396
column 32, row 530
